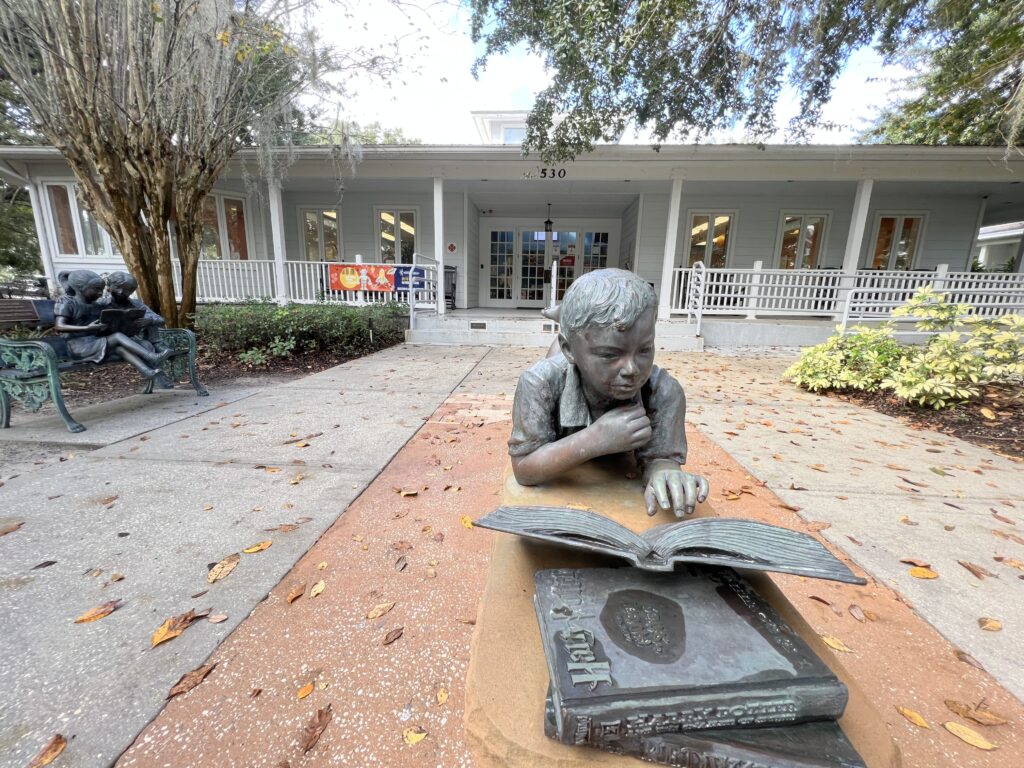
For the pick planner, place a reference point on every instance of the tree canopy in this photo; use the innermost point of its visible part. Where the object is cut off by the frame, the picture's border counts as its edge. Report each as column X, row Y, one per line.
column 968, row 81
column 685, row 68
column 149, row 101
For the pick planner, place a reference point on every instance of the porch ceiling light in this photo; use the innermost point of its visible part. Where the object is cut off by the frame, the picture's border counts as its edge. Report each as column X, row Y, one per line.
column 548, row 223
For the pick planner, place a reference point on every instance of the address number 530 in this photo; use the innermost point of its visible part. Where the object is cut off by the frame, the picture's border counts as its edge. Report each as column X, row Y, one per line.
column 552, row 173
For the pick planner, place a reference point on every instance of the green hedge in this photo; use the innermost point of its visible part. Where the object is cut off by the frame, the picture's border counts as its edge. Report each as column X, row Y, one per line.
column 270, row 330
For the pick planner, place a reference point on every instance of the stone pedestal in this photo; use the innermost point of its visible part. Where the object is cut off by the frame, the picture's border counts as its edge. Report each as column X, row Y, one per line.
column 507, row 678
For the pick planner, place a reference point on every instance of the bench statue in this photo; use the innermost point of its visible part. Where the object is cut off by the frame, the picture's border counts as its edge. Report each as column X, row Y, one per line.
column 30, row 370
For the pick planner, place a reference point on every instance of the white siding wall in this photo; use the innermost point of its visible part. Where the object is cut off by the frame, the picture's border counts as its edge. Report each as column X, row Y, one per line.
column 651, row 237
column 359, row 227
column 473, row 257
column 629, row 231
column 453, row 233
column 948, row 228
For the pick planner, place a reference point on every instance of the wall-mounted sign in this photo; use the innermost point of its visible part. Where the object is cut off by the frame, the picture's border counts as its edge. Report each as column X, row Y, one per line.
column 452, row 247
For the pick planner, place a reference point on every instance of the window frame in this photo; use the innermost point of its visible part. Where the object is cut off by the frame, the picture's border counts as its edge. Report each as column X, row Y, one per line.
column 900, row 216
column 711, row 213
column 780, row 235
column 50, row 220
column 218, row 197
column 397, row 210
column 300, row 214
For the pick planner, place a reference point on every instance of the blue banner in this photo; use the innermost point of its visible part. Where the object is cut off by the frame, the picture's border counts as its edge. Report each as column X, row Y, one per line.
column 402, row 278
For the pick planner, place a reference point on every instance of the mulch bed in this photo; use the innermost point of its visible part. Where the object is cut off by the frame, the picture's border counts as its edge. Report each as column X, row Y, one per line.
column 1004, row 434
column 109, row 382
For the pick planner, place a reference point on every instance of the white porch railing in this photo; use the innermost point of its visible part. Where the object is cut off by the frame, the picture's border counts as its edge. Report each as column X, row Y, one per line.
column 845, row 296
column 306, row 282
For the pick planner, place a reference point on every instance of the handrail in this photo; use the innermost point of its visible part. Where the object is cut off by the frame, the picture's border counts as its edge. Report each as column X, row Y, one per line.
column 873, row 299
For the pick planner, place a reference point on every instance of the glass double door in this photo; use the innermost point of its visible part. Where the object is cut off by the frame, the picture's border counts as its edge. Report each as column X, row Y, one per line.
column 519, row 265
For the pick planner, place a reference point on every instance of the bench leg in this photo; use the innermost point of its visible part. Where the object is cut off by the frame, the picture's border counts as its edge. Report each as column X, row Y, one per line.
column 58, row 400
column 194, row 378
column 5, row 409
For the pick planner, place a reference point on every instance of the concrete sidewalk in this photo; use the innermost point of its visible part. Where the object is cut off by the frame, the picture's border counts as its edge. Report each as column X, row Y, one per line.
column 160, row 504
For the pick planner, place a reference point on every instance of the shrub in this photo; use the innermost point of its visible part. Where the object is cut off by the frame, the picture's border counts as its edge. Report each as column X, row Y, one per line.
column 1000, row 344
column 335, row 328
column 942, row 373
column 253, row 357
column 860, row 360
column 932, row 310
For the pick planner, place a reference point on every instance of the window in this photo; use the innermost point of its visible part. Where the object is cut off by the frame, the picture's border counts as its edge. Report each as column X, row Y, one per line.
column 225, row 233
column 595, row 251
column 709, row 238
column 321, row 234
column 513, row 135
column 896, row 242
column 76, row 231
column 500, row 259
column 396, row 234
column 802, row 240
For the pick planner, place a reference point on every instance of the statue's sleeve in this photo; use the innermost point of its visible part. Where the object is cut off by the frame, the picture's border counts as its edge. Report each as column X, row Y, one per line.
column 534, row 413
column 151, row 317
column 666, row 408
column 65, row 307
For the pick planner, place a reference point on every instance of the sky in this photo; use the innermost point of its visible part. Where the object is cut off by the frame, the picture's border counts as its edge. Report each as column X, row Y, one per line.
column 435, row 93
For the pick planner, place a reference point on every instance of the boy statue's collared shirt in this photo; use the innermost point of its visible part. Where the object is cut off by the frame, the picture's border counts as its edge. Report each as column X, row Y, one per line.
column 550, row 404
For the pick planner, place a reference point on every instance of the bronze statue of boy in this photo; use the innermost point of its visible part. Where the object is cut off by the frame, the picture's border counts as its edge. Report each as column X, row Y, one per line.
column 603, row 395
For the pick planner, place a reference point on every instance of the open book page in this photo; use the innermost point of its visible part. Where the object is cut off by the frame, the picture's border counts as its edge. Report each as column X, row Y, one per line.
column 569, row 526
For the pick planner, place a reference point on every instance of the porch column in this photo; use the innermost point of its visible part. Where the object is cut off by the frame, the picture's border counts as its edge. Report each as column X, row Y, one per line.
column 858, row 223
column 277, row 241
column 1018, row 259
column 977, row 228
column 37, row 200
column 669, row 259
column 854, row 243
column 439, row 241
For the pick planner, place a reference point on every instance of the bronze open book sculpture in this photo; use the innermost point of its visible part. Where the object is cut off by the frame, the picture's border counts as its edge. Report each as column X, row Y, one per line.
column 743, row 544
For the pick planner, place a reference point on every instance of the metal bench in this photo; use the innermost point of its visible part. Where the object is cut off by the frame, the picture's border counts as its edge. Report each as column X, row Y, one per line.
column 30, row 370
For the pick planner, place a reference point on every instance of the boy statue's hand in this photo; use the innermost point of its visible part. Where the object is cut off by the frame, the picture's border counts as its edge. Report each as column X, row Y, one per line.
column 622, row 429
column 669, row 487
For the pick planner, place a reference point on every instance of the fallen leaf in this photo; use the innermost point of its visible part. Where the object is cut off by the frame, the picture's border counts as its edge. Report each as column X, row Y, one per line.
column 989, row 624
column 11, row 528
column 1012, row 562
column 818, row 467
column 297, row 479
column 1001, row 518
column 217, row 618
column 116, row 577
column 969, row 735
column 407, row 494
column 414, row 735
column 401, row 563
column 988, row 413
column 305, row 690
column 258, row 547
column 49, row 752
column 790, row 507
column 1009, row 536
column 94, row 614
column 316, row 727
column 939, row 471
column 906, row 520
column 898, row 468
column 270, row 470
column 402, row 546
column 836, row 644
column 255, row 692
column 109, row 500
column 379, row 610
column 913, row 717
column 431, row 573
column 966, row 658
column 321, row 566
column 923, row 573
column 393, row 635
column 190, row 680
column 467, row 521
column 908, row 481
column 223, row 568
column 296, row 592
column 977, row 714
column 439, row 537
column 44, row 564
column 794, row 487
column 207, row 507
column 835, row 609
column 442, row 695
column 915, row 561
column 172, row 627
column 284, row 528
column 197, row 595
column 319, row 587
column 857, row 612
column 976, row 570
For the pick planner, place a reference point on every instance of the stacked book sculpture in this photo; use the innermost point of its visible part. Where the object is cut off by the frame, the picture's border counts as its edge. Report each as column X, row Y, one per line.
column 689, row 667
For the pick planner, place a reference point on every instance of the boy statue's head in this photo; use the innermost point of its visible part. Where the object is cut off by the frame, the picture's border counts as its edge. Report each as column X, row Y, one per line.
column 607, row 331
column 121, row 285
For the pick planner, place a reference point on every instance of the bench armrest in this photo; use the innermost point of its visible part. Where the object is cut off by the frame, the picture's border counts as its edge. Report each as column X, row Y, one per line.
column 27, row 355
column 179, row 339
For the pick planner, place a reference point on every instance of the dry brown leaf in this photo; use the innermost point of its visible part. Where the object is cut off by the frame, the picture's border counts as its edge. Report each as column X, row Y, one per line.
column 379, row 610
column 1001, row 518
column 1009, row 536
column 319, row 587
column 467, row 522
column 413, row 736
column 906, row 520
column 836, row 644
column 923, row 573
column 223, row 568
column 966, row 658
column 913, row 717
column 976, row 570
column 49, row 752
column 401, row 563
column 898, row 468
column 305, row 690
column 258, row 547
column 321, row 566
column 1012, row 562
column 116, row 577
column 393, row 635
column 10, row 528
column 988, row 413
column 296, row 592
column 442, row 695
column 269, row 470
column 915, row 562
column 969, row 735
column 989, row 624
column 94, row 614
column 172, row 627
column 297, row 479
column 977, row 714
column 217, row 618
column 431, row 573
column 190, row 680
column 316, row 727
column 818, row 467
column 402, row 546
column 406, row 494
